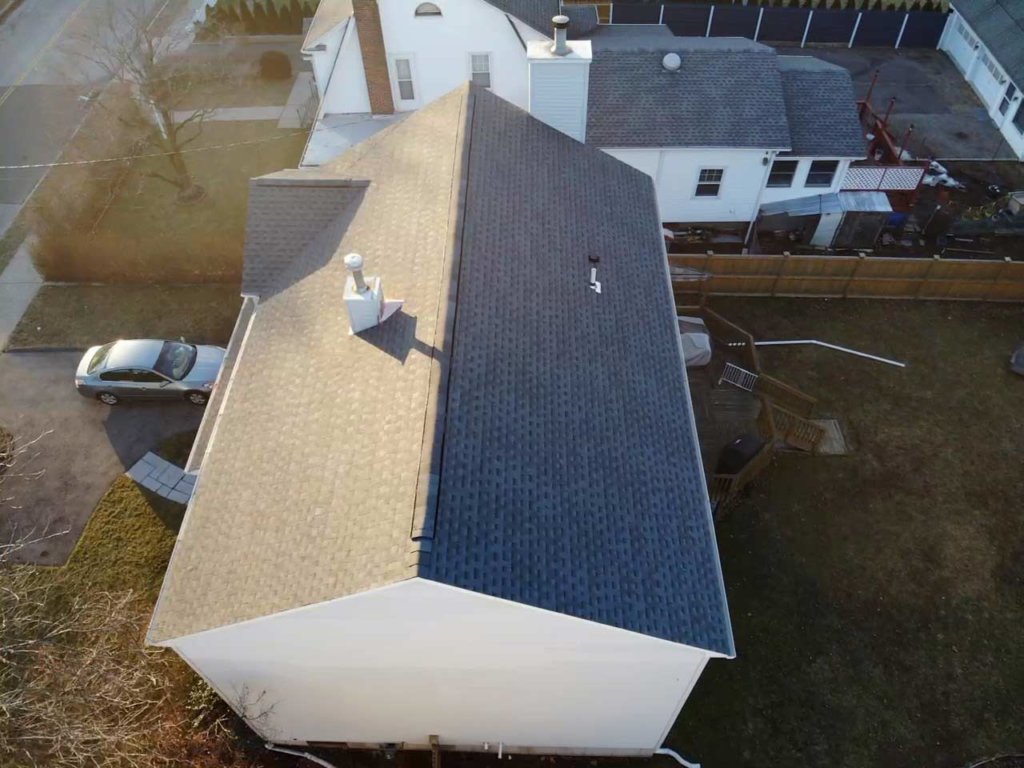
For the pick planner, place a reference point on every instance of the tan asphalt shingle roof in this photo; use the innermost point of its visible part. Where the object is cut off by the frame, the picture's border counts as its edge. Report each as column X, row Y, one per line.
column 261, row 536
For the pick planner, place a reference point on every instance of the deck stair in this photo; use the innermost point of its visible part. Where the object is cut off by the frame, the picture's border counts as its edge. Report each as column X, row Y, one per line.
column 795, row 430
column 738, row 377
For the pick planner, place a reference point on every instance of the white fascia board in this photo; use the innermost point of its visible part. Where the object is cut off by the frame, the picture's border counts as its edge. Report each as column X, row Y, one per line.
column 170, row 643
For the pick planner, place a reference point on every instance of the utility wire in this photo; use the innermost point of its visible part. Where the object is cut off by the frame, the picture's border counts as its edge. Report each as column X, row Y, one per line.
column 150, row 154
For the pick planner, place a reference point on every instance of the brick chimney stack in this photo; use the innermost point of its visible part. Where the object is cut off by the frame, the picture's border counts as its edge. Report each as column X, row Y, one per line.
column 375, row 59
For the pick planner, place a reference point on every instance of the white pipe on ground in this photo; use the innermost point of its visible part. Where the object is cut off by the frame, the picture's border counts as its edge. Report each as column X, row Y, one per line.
column 312, row 758
column 836, row 347
column 675, row 756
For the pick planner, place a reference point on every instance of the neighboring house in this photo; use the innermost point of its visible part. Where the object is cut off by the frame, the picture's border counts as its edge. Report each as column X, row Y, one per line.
column 733, row 125
column 985, row 39
column 484, row 520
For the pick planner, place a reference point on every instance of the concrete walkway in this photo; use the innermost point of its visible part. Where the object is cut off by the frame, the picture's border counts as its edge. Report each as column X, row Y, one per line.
column 163, row 478
column 19, row 284
column 228, row 114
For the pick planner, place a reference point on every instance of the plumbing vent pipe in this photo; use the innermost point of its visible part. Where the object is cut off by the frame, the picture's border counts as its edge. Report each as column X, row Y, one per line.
column 561, row 46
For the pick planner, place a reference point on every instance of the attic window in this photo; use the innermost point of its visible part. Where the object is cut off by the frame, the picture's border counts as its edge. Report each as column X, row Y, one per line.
column 427, row 9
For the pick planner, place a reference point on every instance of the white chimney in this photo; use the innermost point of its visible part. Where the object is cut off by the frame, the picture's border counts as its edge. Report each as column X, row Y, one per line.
column 559, row 81
column 364, row 297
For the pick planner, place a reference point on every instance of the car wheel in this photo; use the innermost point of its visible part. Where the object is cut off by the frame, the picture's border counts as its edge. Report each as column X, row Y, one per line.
column 197, row 398
column 108, row 398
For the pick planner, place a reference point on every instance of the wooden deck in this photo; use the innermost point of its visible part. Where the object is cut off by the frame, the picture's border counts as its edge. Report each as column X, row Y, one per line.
column 723, row 413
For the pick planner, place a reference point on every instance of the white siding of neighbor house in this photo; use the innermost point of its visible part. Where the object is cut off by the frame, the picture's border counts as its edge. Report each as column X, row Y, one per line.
column 675, row 173
column 403, row 662
column 441, row 46
column 970, row 60
column 347, row 93
column 322, row 61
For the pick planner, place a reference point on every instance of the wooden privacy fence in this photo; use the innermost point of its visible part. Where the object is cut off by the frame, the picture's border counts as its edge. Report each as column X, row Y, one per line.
column 860, row 277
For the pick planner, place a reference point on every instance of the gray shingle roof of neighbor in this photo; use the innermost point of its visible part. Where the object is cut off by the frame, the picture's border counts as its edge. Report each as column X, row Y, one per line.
column 521, row 435
column 717, row 98
column 534, row 13
column 820, row 108
column 1000, row 25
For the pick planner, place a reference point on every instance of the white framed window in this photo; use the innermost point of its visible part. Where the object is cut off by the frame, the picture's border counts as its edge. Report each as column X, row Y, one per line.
column 709, row 182
column 1008, row 96
column 782, row 173
column 480, row 69
column 821, row 173
column 403, row 79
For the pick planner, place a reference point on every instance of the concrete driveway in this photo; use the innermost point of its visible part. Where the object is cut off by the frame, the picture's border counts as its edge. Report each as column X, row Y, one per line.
column 85, row 446
column 949, row 121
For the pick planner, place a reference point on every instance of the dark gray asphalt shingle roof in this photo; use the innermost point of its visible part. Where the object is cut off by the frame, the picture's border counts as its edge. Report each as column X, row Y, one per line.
column 571, row 472
column 821, row 109
column 716, row 99
column 553, row 423
column 1000, row 25
column 534, row 13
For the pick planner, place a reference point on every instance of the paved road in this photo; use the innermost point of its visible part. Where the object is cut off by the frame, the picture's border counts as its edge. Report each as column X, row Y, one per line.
column 85, row 445
column 41, row 82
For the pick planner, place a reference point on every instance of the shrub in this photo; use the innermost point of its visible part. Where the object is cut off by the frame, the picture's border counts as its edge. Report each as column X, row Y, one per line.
column 275, row 65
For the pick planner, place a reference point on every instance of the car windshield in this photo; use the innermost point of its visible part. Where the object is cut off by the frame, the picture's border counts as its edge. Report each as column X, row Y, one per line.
column 99, row 357
column 175, row 360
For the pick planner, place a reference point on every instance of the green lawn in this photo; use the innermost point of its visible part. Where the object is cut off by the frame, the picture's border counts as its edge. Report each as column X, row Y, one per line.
column 146, row 235
column 878, row 598
column 79, row 316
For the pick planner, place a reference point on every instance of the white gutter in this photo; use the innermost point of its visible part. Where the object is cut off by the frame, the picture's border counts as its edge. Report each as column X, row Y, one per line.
column 313, row 758
column 817, row 343
column 675, row 756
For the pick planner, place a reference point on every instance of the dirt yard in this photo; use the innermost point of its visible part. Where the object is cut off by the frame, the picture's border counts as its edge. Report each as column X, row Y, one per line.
column 877, row 598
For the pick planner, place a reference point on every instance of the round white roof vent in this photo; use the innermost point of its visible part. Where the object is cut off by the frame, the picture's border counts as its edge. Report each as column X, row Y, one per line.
column 672, row 62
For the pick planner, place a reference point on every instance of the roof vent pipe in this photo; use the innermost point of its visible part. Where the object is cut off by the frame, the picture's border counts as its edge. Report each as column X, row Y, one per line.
column 672, row 62
column 561, row 47
column 354, row 264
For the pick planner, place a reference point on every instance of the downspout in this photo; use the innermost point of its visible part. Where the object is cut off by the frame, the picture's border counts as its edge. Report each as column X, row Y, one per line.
column 770, row 156
column 675, row 756
column 313, row 758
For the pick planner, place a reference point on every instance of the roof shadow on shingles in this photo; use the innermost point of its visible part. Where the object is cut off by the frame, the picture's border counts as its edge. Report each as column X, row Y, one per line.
column 570, row 476
column 289, row 212
column 718, row 98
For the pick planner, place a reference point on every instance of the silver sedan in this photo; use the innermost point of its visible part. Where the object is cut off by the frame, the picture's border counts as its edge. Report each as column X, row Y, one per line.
column 147, row 369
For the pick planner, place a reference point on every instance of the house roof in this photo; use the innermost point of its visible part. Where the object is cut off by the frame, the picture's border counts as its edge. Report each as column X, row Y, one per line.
column 1000, row 26
column 329, row 14
column 718, row 98
column 820, row 109
column 511, row 431
column 534, row 13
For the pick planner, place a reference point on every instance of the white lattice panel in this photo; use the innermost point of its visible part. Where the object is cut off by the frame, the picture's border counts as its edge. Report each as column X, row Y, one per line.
column 905, row 177
column 863, row 177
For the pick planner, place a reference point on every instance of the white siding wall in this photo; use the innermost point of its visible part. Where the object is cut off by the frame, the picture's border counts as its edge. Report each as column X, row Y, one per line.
column 419, row 658
column 347, row 93
column 675, row 173
column 440, row 47
column 322, row 62
column 969, row 54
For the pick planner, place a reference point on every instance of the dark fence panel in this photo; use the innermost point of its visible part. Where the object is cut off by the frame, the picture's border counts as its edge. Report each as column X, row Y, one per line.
column 923, row 29
column 636, row 14
column 879, row 28
column 734, row 21
column 781, row 25
column 685, row 20
column 831, row 26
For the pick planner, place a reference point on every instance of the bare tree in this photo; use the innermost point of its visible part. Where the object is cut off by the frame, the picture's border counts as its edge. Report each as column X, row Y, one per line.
column 128, row 51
